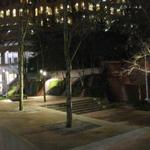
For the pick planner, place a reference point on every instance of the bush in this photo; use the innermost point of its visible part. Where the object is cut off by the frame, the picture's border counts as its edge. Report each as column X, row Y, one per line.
column 56, row 87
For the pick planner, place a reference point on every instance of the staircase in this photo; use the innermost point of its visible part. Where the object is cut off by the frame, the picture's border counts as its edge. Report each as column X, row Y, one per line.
column 78, row 106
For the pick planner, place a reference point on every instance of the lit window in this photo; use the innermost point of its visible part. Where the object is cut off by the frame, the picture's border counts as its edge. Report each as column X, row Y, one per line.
column 111, row 10
column 36, row 11
column 69, row 21
column 30, row 2
column 61, row 6
column 131, row 25
column 77, row 7
column 32, row 32
column 103, row 0
column 8, row 12
column 27, row 11
column 61, row 20
column 30, row 23
column 56, row 10
column 1, row 14
column 14, row 12
column 69, row 8
column 118, row 11
column 48, row 10
column 41, row 10
column 123, row 1
column 140, row 7
column 91, row 7
column 20, row 12
column 83, row 5
column 97, row 7
column 105, row 7
column 42, row 23
column 83, row 16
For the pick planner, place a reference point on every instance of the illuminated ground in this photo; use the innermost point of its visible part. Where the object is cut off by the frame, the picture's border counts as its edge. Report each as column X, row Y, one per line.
column 39, row 125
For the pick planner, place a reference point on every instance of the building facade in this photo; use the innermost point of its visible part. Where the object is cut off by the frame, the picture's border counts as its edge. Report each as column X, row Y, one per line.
column 48, row 13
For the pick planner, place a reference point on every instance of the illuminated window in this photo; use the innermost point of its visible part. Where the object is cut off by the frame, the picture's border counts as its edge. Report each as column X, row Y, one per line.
column 20, row 12
column 91, row 7
column 41, row 10
column 77, row 7
column 36, row 11
column 69, row 21
column 57, row 20
column 30, row 23
column 61, row 6
column 123, row 13
column 123, row 1
column 61, row 20
column 1, row 14
column 48, row 10
column 83, row 5
column 111, row 10
column 105, row 7
column 27, row 11
column 8, row 12
column 69, row 8
column 140, row 7
column 97, row 7
column 83, row 16
column 14, row 12
column 56, row 11
column 118, row 11
column 42, row 23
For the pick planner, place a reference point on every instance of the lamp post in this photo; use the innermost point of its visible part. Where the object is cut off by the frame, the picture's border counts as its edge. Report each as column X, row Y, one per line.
column 44, row 74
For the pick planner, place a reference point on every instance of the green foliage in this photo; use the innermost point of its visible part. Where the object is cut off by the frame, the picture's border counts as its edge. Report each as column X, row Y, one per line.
column 2, row 97
column 12, row 90
column 56, row 87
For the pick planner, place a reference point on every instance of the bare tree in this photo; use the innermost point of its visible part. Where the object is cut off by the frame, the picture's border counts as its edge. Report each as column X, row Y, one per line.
column 24, row 27
column 68, row 68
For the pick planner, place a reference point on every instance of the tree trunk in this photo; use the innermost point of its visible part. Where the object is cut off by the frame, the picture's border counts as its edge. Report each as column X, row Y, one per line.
column 21, row 74
column 68, row 69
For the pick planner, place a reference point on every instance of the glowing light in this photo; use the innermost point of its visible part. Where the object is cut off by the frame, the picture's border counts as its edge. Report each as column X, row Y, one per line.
column 14, row 13
column 8, row 12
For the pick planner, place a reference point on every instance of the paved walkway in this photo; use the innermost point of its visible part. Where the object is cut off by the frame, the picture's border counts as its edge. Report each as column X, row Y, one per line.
column 133, row 140
column 45, row 128
column 10, row 141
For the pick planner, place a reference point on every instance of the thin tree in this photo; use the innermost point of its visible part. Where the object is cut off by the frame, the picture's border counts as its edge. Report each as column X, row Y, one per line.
column 68, row 68
column 24, row 23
